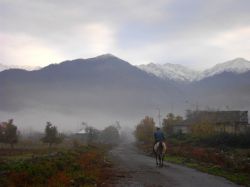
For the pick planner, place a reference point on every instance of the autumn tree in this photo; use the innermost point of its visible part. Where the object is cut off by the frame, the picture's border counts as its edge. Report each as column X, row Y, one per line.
column 8, row 133
column 202, row 129
column 144, row 131
column 202, row 124
column 51, row 135
column 169, row 121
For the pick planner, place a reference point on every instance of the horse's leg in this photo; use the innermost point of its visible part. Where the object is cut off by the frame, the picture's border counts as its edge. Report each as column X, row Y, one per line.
column 156, row 159
column 162, row 157
column 155, row 152
column 163, row 153
column 159, row 159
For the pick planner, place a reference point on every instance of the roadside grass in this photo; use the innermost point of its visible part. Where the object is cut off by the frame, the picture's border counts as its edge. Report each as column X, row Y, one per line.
column 232, row 164
column 79, row 166
column 236, row 177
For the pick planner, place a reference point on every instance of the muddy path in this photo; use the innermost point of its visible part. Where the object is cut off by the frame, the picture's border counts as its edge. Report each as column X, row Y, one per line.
column 135, row 169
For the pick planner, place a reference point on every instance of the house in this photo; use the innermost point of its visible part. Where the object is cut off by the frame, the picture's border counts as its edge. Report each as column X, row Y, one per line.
column 181, row 128
column 224, row 121
column 81, row 135
column 81, row 132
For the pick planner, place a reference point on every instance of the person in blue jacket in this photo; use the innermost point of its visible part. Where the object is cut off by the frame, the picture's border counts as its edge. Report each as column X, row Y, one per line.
column 158, row 135
column 159, row 146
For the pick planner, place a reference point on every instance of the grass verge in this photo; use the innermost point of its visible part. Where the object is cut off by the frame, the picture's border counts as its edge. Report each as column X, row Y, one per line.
column 236, row 177
column 82, row 166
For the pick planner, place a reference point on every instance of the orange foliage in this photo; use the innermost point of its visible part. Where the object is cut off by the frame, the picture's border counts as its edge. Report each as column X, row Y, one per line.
column 58, row 180
column 18, row 179
column 145, row 130
column 90, row 163
column 199, row 153
column 91, row 169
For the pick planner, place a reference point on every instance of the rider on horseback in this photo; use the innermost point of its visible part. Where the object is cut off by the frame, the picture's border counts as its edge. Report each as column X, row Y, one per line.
column 158, row 135
column 159, row 146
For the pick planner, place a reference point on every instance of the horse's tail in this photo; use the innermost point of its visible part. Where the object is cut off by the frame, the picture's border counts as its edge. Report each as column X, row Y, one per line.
column 160, row 145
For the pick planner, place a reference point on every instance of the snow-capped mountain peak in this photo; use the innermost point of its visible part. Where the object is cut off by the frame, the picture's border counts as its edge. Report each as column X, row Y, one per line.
column 238, row 65
column 181, row 73
column 3, row 67
column 170, row 71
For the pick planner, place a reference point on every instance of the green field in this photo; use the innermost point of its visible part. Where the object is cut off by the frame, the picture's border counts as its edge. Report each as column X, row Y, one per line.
column 76, row 166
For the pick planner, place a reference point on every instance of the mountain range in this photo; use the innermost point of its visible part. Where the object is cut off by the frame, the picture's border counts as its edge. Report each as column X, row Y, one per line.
column 174, row 72
column 105, row 89
column 181, row 73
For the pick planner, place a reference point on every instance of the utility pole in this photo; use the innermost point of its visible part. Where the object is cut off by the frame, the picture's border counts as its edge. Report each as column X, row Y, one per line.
column 159, row 116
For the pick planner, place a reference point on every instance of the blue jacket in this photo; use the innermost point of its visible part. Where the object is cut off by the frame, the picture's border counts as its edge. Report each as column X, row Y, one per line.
column 159, row 136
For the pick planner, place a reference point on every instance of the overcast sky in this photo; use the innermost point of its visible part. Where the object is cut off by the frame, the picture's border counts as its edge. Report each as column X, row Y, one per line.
column 194, row 33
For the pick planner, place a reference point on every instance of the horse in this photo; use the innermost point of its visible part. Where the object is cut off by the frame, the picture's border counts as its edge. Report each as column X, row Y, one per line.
column 159, row 150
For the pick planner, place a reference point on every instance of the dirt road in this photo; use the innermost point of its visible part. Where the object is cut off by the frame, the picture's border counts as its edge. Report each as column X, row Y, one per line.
column 138, row 170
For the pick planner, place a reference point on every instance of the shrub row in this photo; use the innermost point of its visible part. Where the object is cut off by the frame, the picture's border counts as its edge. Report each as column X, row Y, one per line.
column 55, row 169
column 221, row 140
column 241, row 140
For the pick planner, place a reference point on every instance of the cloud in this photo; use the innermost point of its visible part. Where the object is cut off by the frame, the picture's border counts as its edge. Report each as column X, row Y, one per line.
column 92, row 39
column 84, row 41
column 198, row 52
column 234, row 39
column 140, row 31
column 21, row 49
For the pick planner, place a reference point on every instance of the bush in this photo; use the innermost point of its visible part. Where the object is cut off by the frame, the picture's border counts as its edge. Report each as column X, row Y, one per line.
column 221, row 140
column 82, row 166
column 241, row 140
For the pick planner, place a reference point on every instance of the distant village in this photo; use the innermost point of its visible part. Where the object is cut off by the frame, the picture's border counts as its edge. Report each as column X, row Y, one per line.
column 223, row 121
